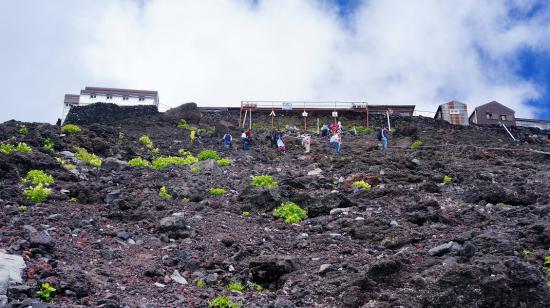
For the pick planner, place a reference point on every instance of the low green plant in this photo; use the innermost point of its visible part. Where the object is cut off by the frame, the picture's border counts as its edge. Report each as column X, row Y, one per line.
column 73, row 200
column 23, row 130
column 236, row 286
column 23, row 148
column 196, row 169
column 417, row 144
column 257, row 287
column 146, row 141
column 447, row 180
column 246, row 214
column 223, row 301
column 91, row 159
column 208, row 154
column 216, row 191
column 22, row 208
column 183, row 124
column 38, row 177
column 161, row 163
column 290, row 212
column 164, row 194
column 46, row 292
column 47, row 143
column 139, row 162
column 183, row 152
column 224, row 162
column 361, row 184
column 200, row 283
column 65, row 164
column 501, row 205
column 264, row 181
column 155, row 151
column 526, row 252
column 37, row 193
column 363, row 130
column 6, row 148
column 184, row 199
column 120, row 135
column 547, row 265
column 70, row 129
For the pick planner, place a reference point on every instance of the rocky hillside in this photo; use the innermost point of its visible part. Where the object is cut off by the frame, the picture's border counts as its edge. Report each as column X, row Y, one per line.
column 461, row 221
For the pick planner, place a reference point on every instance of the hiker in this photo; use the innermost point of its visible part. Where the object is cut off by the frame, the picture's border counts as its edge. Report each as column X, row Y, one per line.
column 245, row 138
column 336, row 142
column 383, row 137
column 324, row 131
column 339, row 128
column 281, row 145
column 306, row 141
column 227, row 140
column 273, row 139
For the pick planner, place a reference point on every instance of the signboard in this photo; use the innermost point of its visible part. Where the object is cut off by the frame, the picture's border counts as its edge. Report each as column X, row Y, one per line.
column 335, row 114
column 454, row 111
column 304, row 114
column 272, row 114
column 287, row 106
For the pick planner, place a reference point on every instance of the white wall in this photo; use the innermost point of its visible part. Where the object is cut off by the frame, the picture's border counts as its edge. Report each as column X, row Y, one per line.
column 102, row 98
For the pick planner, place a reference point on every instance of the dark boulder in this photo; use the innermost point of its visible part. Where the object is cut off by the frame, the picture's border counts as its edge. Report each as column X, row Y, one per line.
column 268, row 269
column 188, row 112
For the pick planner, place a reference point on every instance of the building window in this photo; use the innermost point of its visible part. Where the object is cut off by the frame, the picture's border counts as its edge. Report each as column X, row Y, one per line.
column 488, row 115
column 503, row 117
column 141, row 98
column 92, row 95
column 125, row 97
column 109, row 96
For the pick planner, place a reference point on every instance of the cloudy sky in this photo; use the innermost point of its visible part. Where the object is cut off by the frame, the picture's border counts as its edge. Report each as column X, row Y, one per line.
column 219, row 52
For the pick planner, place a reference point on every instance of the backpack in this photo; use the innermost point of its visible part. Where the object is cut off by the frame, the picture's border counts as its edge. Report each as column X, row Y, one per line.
column 227, row 137
column 380, row 135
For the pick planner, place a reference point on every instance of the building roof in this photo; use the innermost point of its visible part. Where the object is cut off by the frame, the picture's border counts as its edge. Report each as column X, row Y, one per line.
column 532, row 120
column 72, row 98
column 495, row 103
column 115, row 91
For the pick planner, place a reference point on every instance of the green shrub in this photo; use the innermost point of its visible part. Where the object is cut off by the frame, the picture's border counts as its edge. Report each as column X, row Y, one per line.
column 361, row 184
column 223, row 302
column 139, row 162
column 6, row 148
column 224, row 162
column 70, row 129
column 200, row 283
column 363, row 130
column 91, row 159
column 196, row 169
column 183, row 152
column 161, row 163
column 47, row 144
column 144, row 139
column 65, row 164
column 37, row 194
column 216, row 191
column 38, row 177
column 246, row 214
column 208, row 154
column 46, row 292
column 23, row 130
column 447, row 180
column 526, row 252
column 257, row 287
column 417, row 144
column 73, row 200
column 183, row 124
column 235, row 286
column 120, row 135
column 264, row 181
column 290, row 212
column 22, row 208
column 23, row 147
column 164, row 194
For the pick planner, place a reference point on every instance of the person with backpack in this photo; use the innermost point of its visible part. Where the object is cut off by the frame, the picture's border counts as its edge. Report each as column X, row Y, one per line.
column 245, row 139
column 383, row 137
column 192, row 136
column 306, row 141
column 336, row 142
column 324, row 131
column 227, row 140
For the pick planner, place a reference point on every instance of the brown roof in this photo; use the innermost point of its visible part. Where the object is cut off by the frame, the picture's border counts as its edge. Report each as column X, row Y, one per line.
column 72, row 98
column 100, row 90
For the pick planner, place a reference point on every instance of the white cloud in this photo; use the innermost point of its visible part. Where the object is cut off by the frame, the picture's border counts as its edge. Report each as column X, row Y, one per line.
column 420, row 52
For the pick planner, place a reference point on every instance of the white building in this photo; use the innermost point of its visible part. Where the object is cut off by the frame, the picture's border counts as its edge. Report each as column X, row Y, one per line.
column 121, row 97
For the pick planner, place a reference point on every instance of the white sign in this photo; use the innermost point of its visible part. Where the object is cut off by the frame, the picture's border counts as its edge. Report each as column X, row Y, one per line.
column 287, row 106
column 304, row 114
column 454, row 111
column 335, row 114
column 272, row 114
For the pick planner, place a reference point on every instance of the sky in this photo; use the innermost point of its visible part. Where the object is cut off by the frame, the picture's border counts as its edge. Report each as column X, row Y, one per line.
column 219, row 52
